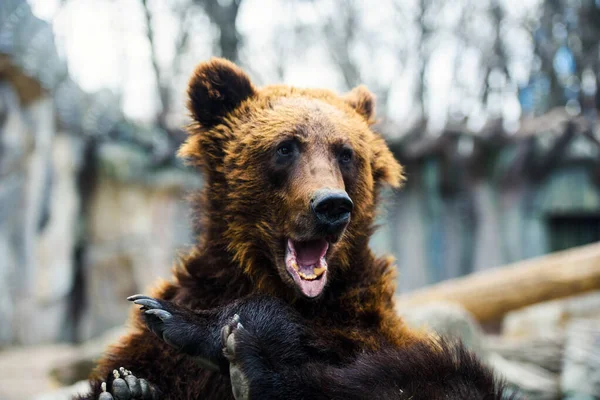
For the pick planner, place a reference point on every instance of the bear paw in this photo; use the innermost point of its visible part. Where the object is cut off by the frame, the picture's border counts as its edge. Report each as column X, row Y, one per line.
column 171, row 324
column 157, row 315
column 126, row 386
column 161, row 318
column 230, row 333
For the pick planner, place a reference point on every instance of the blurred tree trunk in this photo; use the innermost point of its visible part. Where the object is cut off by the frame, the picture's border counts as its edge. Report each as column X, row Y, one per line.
column 224, row 15
column 497, row 60
column 339, row 43
column 164, row 80
column 162, row 88
column 589, row 35
column 424, row 55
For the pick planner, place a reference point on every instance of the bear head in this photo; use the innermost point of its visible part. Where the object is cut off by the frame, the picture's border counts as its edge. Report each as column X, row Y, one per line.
column 291, row 174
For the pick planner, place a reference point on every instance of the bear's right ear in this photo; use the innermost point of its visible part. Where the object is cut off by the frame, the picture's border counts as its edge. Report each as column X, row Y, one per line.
column 216, row 88
column 363, row 102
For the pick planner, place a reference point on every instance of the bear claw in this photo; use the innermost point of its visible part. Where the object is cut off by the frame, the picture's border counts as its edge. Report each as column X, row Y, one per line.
column 162, row 314
column 154, row 312
column 145, row 301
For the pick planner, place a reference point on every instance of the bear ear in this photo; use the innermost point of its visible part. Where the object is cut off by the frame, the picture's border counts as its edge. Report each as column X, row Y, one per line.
column 363, row 102
column 216, row 88
column 386, row 170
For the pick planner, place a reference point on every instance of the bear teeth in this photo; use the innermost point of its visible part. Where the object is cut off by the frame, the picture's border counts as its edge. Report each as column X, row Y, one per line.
column 317, row 272
column 307, row 276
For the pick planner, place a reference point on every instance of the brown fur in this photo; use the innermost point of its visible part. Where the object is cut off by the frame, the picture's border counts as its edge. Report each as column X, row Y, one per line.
column 247, row 214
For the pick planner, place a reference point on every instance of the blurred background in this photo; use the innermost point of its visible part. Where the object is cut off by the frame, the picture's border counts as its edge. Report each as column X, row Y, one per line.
column 491, row 105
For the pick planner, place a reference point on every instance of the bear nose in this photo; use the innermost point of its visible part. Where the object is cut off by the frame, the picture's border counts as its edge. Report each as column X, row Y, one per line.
column 332, row 208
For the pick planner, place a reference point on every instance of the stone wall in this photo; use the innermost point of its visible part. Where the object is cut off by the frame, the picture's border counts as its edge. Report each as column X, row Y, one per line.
column 133, row 234
column 78, row 233
column 36, row 252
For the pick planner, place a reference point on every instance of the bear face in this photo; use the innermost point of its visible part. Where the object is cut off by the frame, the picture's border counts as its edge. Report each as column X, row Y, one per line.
column 292, row 174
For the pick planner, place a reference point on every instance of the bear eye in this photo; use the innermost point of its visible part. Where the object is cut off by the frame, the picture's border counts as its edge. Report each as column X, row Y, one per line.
column 346, row 155
column 286, row 151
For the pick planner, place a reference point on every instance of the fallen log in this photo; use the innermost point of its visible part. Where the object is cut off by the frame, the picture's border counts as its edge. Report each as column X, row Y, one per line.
column 488, row 295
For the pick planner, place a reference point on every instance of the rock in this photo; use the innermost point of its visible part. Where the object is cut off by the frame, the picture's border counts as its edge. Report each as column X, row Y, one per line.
column 15, row 145
column 545, row 352
column 44, row 314
column 39, row 205
column 135, row 221
column 551, row 316
column 449, row 320
column 41, row 315
column 581, row 372
column 533, row 381
column 133, row 234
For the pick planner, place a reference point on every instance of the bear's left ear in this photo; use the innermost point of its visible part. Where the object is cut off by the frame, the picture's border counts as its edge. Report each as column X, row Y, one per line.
column 363, row 102
column 216, row 88
column 386, row 170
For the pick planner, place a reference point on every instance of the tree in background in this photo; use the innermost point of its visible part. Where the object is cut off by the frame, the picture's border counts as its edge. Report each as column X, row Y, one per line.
column 565, row 73
column 432, row 61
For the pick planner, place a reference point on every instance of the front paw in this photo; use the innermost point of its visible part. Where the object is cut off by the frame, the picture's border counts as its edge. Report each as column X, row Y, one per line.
column 230, row 335
column 127, row 386
column 162, row 318
column 176, row 327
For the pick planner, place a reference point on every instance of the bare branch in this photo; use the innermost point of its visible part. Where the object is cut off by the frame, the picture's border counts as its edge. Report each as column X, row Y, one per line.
column 183, row 36
column 224, row 15
column 163, row 91
column 339, row 45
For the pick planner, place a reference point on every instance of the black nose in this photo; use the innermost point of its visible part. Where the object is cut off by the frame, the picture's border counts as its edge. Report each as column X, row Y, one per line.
column 332, row 208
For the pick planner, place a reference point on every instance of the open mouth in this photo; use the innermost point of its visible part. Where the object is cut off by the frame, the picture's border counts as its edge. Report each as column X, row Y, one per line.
column 305, row 262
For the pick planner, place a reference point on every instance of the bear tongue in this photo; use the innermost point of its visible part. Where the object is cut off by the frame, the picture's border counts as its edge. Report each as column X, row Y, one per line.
column 309, row 254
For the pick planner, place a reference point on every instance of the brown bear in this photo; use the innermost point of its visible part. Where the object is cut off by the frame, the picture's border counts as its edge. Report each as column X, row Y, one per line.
column 291, row 183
